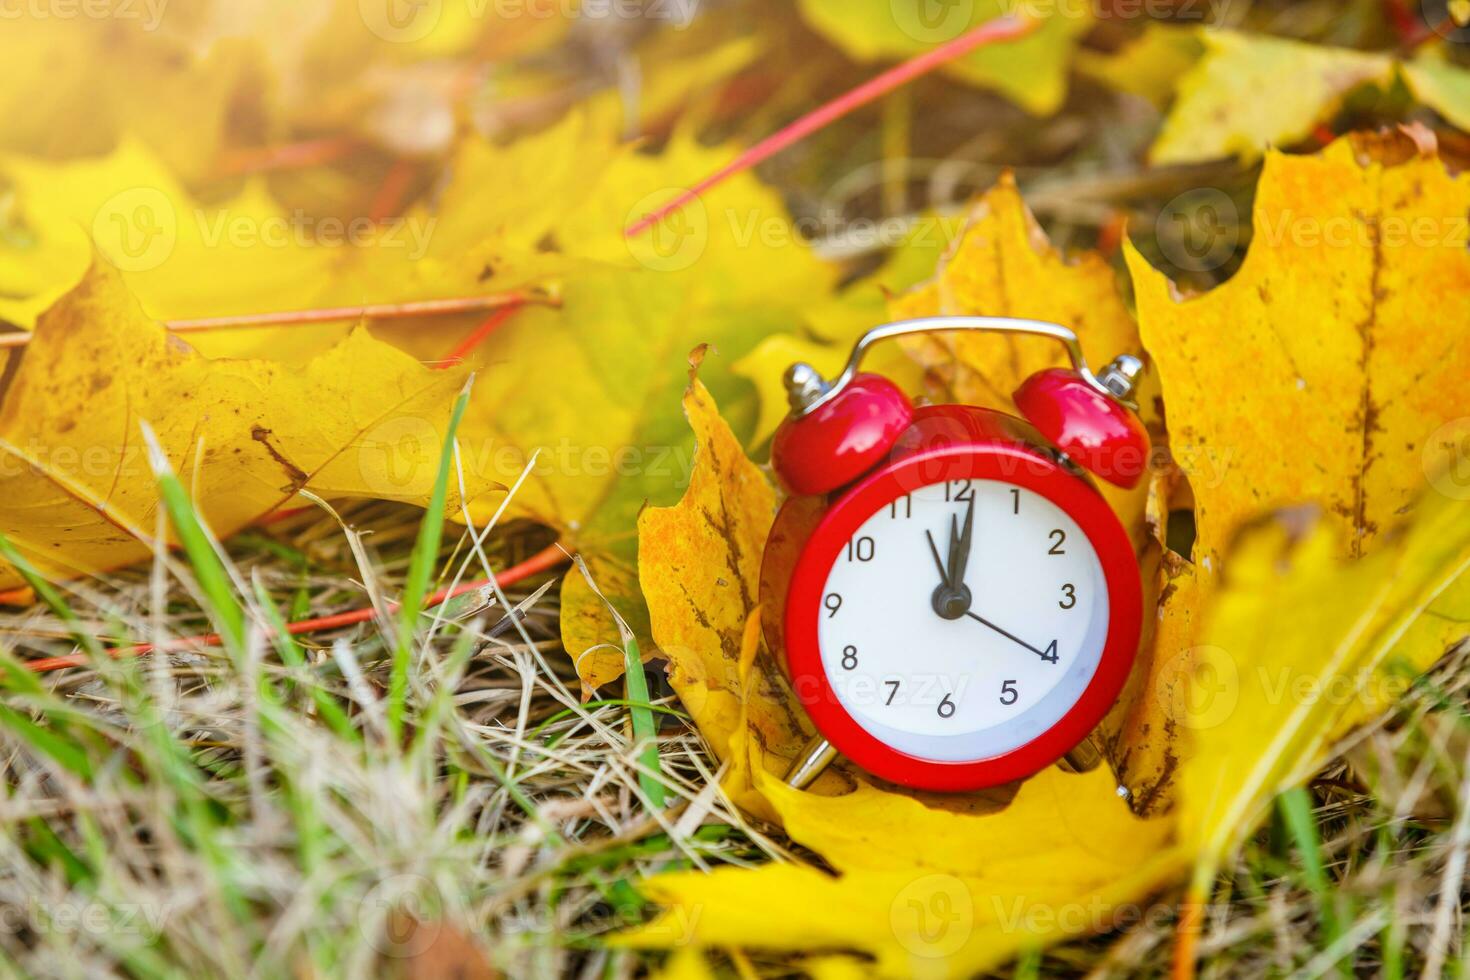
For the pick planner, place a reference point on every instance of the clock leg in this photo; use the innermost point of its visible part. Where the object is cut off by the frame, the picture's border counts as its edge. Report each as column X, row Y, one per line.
column 815, row 756
column 1084, row 758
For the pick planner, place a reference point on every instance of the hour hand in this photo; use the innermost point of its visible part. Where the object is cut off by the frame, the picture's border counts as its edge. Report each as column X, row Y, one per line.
column 938, row 562
column 951, row 598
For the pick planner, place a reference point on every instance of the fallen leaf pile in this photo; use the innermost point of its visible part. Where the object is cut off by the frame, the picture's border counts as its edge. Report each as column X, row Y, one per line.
column 1308, row 413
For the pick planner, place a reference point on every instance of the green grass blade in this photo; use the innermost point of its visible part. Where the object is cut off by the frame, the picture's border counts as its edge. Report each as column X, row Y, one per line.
column 1296, row 812
column 48, row 595
column 645, row 728
column 49, row 850
column 65, row 752
column 293, row 656
column 214, row 581
column 420, row 572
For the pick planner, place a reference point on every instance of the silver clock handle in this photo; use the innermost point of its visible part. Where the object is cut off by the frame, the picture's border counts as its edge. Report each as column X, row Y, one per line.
column 807, row 390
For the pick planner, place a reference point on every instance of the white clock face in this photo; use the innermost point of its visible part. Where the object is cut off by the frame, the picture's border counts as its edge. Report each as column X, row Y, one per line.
column 977, row 671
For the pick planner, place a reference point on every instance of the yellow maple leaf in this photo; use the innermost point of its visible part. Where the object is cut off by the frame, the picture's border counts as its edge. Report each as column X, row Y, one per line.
column 728, row 270
column 835, row 323
column 1325, row 320
column 1148, row 66
column 361, row 69
column 1350, row 402
column 185, row 259
column 1294, row 650
column 180, row 258
column 1249, row 92
column 927, row 887
column 705, row 554
column 1003, row 265
column 245, row 435
column 699, row 567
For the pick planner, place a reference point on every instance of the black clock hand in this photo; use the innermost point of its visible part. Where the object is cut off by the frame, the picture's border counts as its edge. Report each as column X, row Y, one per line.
column 938, row 562
column 1011, row 636
column 951, row 598
column 959, row 546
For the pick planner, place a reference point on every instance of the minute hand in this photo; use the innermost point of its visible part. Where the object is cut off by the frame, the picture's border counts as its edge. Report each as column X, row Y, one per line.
column 959, row 546
column 1009, row 636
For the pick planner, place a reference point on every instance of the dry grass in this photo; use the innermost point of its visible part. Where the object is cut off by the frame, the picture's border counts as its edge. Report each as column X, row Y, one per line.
column 218, row 833
column 210, row 840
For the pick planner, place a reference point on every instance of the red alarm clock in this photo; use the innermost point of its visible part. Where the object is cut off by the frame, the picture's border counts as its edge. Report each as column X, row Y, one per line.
column 961, row 605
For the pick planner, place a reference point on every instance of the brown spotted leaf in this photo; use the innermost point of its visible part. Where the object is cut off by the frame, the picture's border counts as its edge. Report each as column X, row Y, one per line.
column 76, row 492
column 699, row 564
column 1329, row 370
